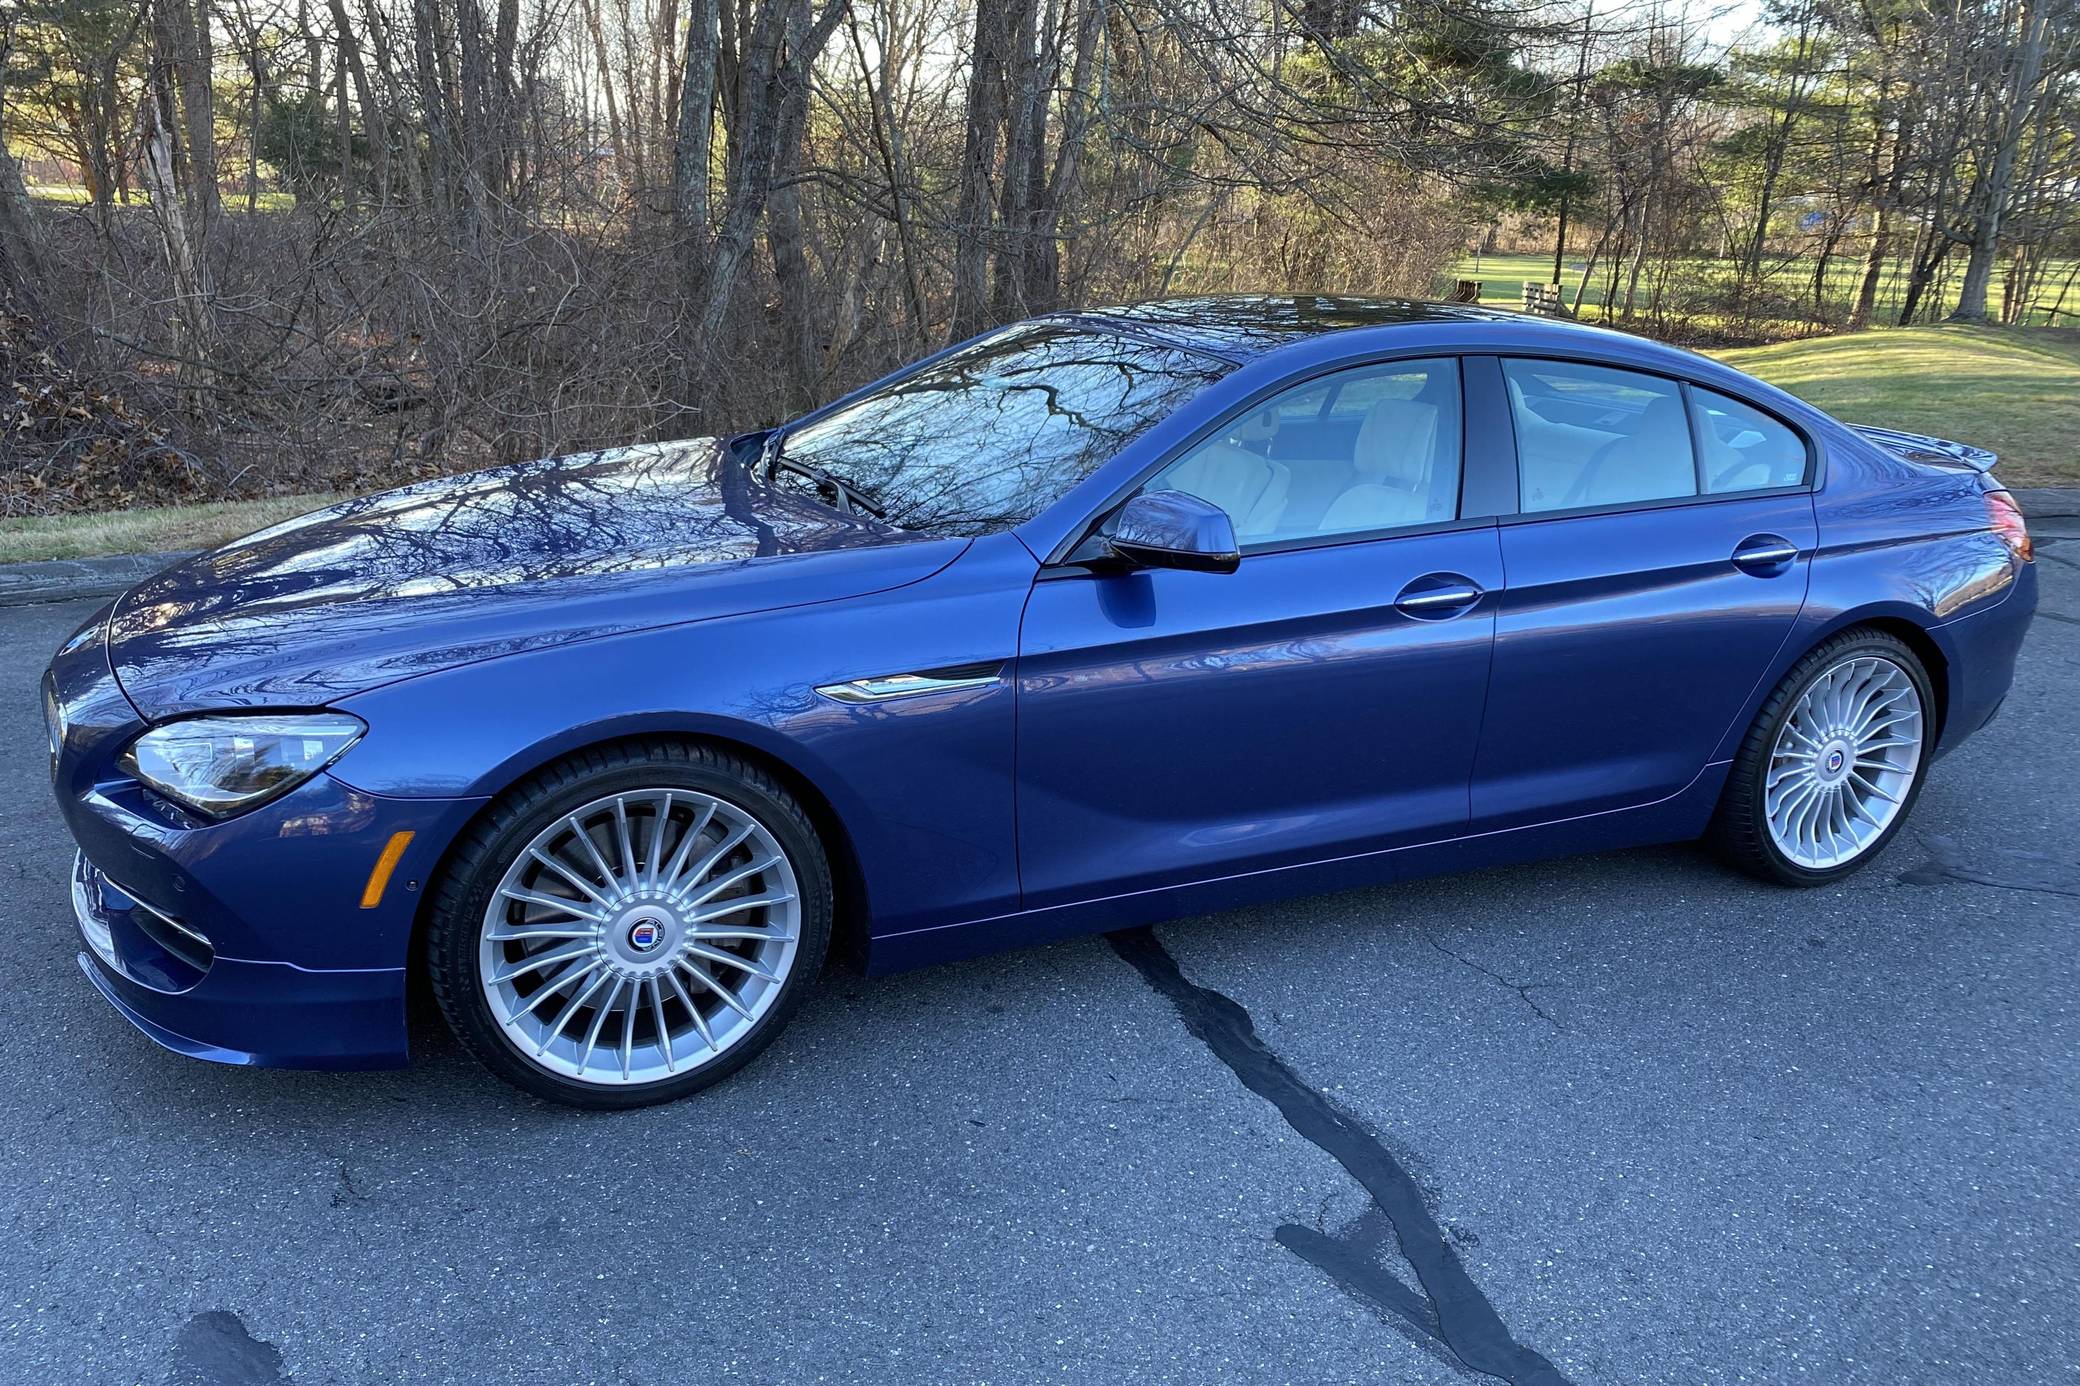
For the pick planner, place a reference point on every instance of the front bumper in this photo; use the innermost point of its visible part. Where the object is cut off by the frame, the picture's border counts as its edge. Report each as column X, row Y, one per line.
column 244, row 940
column 229, row 1010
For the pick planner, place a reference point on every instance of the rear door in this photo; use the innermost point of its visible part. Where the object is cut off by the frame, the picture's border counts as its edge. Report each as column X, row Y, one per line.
column 1659, row 560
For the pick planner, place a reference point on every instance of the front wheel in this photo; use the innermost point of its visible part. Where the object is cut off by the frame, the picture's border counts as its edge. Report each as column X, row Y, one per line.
column 630, row 925
column 1832, row 765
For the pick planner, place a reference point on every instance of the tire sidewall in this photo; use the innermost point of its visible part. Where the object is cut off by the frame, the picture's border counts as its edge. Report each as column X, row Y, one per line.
column 469, row 882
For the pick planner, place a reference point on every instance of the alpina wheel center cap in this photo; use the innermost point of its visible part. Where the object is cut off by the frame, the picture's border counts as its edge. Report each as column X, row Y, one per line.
column 643, row 939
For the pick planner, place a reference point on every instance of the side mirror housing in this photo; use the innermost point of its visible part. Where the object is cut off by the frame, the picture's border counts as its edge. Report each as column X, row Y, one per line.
column 1174, row 529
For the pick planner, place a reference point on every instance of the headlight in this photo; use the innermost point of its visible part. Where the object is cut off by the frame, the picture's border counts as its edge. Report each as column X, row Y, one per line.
column 222, row 765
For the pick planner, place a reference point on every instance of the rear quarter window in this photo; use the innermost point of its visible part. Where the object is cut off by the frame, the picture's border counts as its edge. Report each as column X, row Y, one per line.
column 1745, row 449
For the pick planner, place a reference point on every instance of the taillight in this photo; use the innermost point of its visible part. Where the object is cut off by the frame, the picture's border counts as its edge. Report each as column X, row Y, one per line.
column 2008, row 524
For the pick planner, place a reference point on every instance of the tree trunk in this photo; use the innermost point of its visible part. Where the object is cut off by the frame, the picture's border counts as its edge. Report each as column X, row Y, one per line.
column 776, row 63
column 624, row 164
column 21, row 239
column 2013, row 119
column 182, row 48
column 1025, row 116
column 694, row 150
column 1886, row 193
column 193, row 291
column 373, row 123
column 972, row 225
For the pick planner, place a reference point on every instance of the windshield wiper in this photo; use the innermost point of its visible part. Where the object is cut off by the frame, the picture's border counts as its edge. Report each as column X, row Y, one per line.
column 847, row 496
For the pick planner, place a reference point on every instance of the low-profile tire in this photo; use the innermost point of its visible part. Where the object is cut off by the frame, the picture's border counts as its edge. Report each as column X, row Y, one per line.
column 668, row 902
column 1831, row 768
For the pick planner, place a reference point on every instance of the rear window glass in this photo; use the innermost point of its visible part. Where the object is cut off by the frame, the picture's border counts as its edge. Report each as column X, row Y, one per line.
column 1591, row 435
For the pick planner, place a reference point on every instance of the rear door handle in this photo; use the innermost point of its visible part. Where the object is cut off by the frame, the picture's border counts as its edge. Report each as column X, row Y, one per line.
column 1437, row 595
column 1764, row 555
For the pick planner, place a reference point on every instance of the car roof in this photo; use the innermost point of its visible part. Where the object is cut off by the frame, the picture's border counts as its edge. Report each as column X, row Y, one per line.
column 1241, row 327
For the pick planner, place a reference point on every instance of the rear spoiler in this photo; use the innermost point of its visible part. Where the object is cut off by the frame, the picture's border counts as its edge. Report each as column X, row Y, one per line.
column 1919, row 447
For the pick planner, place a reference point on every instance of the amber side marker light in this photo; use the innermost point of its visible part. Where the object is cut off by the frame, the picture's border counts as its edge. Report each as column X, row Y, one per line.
column 379, row 878
column 2009, row 525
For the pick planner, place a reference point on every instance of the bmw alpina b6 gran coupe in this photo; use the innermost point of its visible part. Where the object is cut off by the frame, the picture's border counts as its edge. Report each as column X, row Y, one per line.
column 1097, row 619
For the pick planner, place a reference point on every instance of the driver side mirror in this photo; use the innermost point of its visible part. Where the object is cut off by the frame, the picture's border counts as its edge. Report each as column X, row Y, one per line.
column 1174, row 529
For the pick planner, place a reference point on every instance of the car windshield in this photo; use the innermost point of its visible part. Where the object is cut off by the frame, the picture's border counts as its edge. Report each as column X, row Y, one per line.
column 989, row 436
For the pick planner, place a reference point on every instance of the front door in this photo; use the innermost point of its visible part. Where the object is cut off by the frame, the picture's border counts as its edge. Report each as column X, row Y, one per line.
column 1324, row 699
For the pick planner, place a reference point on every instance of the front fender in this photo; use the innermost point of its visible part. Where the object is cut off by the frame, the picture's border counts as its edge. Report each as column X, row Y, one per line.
column 923, row 786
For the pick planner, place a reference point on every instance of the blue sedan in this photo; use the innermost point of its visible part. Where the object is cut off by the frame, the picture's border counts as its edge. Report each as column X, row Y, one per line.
column 1098, row 619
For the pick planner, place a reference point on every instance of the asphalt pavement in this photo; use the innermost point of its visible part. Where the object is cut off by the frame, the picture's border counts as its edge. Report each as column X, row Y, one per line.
column 1615, row 1119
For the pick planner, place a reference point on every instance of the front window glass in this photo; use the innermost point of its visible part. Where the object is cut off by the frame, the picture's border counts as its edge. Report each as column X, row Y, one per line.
column 1590, row 435
column 1744, row 448
column 990, row 436
column 1364, row 450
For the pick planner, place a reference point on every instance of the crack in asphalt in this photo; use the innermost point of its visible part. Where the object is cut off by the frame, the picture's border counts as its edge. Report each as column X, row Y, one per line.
column 2030, row 871
column 1522, row 989
column 1450, row 1309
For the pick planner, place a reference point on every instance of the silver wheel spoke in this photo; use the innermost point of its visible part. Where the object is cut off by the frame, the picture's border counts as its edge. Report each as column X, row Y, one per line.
column 737, row 906
column 564, row 1016
column 625, row 838
column 661, row 818
column 564, row 873
column 700, row 1026
column 543, row 931
column 599, row 1021
column 726, row 958
column 637, row 961
column 729, row 998
column 551, row 902
column 694, row 875
column 563, row 979
column 1844, row 759
column 722, row 883
column 548, row 957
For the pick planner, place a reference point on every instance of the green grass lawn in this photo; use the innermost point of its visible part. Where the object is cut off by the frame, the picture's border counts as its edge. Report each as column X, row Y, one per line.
column 74, row 195
column 2015, row 390
column 151, row 529
column 1502, row 279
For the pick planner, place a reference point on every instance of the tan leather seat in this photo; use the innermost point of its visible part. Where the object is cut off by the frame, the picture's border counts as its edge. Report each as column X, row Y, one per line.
column 1250, row 488
column 1652, row 462
column 1397, row 445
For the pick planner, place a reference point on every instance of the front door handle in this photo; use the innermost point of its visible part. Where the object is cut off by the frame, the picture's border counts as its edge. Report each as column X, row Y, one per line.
column 1437, row 595
column 1764, row 555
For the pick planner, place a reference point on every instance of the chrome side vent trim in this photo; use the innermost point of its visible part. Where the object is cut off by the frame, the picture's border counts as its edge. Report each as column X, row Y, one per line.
column 884, row 688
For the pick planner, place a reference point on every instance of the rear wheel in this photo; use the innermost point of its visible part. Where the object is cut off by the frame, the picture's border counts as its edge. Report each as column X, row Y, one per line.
column 630, row 925
column 1832, row 765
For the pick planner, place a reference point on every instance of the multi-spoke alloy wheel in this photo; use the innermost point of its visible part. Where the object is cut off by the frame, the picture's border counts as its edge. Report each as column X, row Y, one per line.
column 641, row 935
column 1832, row 764
column 1843, row 762
column 633, row 933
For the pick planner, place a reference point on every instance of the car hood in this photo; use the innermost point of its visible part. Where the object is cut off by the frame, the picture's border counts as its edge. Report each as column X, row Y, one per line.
column 491, row 563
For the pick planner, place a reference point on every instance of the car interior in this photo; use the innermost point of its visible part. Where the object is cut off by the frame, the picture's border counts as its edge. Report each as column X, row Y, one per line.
column 1368, row 449
column 1378, row 448
column 1589, row 436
